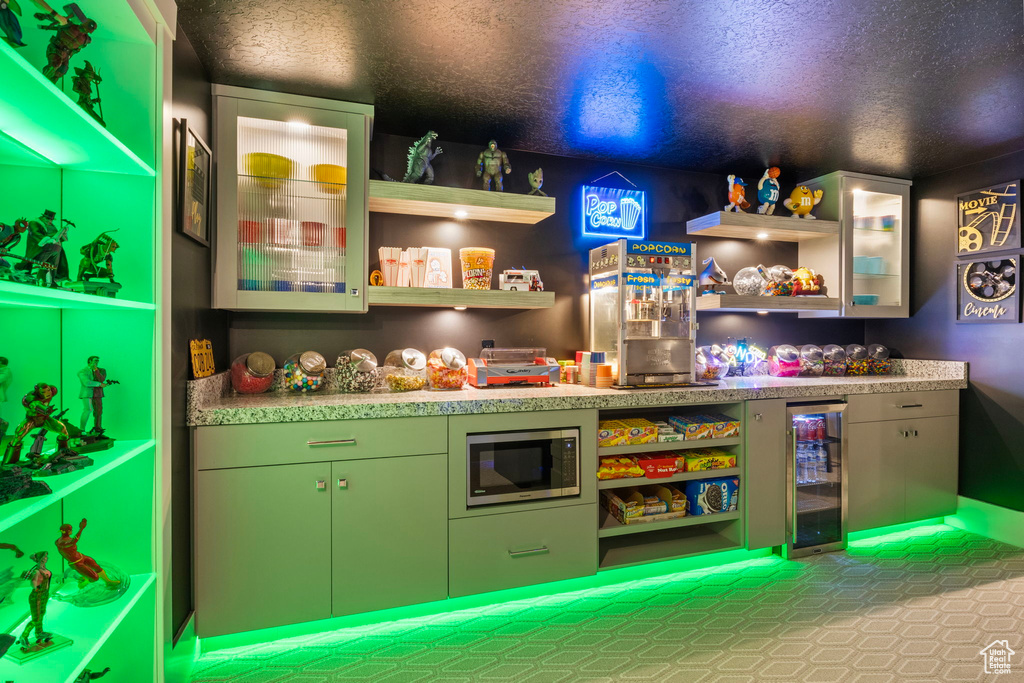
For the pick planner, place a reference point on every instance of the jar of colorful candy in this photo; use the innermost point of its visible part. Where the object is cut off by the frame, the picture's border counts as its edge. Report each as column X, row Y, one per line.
column 812, row 361
column 357, row 371
column 835, row 360
column 878, row 360
column 447, row 370
column 252, row 373
column 305, row 372
column 857, row 362
column 783, row 361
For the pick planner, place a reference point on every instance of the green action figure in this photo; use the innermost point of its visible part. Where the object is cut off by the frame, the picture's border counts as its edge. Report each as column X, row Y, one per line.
column 491, row 162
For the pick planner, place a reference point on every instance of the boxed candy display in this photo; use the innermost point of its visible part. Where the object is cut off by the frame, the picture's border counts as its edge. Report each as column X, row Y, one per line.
column 723, row 426
column 710, row 496
column 691, row 427
column 611, row 433
column 648, row 504
column 618, row 467
column 667, row 433
column 658, row 465
column 705, row 459
column 640, row 431
column 671, row 496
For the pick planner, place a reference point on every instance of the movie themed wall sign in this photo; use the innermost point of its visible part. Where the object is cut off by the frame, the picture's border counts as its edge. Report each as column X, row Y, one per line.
column 987, row 291
column 988, row 220
column 611, row 212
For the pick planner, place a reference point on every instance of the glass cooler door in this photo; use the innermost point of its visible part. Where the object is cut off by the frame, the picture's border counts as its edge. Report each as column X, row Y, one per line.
column 817, row 486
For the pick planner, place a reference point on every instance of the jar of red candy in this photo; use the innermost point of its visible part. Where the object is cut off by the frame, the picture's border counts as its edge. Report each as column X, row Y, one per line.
column 857, row 362
column 812, row 361
column 447, row 370
column 252, row 373
column 878, row 360
column 783, row 361
column 835, row 360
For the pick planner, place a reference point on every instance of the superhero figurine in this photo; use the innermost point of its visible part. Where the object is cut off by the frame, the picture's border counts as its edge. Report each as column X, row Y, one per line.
column 38, row 413
column 93, row 379
column 40, row 577
column 70, row 38
column 9, row 24
column 45, row 251
column 90, row 571
column 82, row 85
column 737, row 194
column 768, row 191
column 97, row 263
column 10, row 237
column 491, row 162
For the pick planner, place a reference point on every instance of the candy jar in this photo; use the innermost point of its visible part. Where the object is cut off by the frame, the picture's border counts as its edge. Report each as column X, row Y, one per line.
column 447, row 370
column 748, row 282
column 252, row 373
column 878, row 360
column 305, row 372
column 812, row 361
column 857, row 362
column 783, row 361
column 714, row 367
column 405, row 370
column 700, row 365
column 357, row 371
column 835, row 360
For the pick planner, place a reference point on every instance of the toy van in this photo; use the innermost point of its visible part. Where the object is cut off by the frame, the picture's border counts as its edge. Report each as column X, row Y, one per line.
column 520, row 281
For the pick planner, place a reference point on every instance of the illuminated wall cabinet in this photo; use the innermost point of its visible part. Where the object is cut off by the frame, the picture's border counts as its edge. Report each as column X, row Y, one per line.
column 291, row 176
column 867, row 265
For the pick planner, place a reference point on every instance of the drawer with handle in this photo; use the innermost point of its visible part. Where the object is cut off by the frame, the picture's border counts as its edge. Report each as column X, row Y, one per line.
column 321, row 441
column 494, row 552
column 902, row 405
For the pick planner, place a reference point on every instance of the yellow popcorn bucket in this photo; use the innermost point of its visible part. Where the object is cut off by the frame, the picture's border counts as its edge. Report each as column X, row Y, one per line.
column 477, row 267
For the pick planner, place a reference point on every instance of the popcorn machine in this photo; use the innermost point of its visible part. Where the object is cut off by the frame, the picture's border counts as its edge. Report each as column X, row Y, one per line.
column 642, row 301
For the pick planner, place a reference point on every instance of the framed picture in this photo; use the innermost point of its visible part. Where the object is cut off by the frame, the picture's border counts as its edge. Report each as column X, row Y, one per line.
column 195, row 177
column 987, row 291
column 988, row 220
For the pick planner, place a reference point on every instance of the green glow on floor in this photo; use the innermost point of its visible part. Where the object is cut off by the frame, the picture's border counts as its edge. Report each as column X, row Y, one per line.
column 884, row 534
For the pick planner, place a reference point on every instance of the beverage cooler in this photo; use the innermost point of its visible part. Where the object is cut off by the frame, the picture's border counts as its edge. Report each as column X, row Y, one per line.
column 816, row 488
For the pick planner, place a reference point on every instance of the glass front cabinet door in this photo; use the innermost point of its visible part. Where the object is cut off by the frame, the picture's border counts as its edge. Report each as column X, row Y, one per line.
column 291, row 177
column 866, row 265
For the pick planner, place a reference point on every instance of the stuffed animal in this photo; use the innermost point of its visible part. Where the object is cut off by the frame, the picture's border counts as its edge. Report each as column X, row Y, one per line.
column 802, row 201
column 737, row 194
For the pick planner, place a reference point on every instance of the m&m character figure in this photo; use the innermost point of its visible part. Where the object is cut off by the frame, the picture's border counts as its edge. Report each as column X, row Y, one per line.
column 768, row 191
column 737, row 195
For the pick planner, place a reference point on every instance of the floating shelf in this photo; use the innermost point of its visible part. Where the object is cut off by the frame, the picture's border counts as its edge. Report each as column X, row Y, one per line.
column 19, row 294
column 66, row 484
column 779, row 304
column 431, row 200
column 612, row 527
column 750, row 225
column 470, row 298
column 665, row 446
column 682, row 476
column 88, row 628
column 37, row 114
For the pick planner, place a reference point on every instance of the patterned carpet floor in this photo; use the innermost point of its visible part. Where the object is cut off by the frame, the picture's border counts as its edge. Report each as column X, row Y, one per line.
column 916, row 605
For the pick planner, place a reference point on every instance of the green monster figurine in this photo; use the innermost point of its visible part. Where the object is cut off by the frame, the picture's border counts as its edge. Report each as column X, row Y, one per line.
column 490, row 164
column 418, row 168
column 536, row 182
column 82, row 85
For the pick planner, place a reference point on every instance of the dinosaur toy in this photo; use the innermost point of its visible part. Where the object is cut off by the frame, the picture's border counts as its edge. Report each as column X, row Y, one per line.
column 802, row 201
column 768, row 191
column 737, row 195
column 536, row 182
column 418, row 168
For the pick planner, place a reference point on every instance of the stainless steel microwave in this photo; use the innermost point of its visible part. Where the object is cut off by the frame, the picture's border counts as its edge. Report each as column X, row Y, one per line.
column 511, row 467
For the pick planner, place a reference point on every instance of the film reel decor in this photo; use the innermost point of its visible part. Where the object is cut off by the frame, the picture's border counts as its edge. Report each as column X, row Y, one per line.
column 987, row 291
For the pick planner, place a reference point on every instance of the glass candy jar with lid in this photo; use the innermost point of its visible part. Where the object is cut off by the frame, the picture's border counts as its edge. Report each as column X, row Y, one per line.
column 783, row 361
column 835, row 360
column 447, row 369
column 405, row 370
column 878, row 360
column 857, row 361
column 812, row 361
column 304, row 372
column 252, row 373
column 357, row 371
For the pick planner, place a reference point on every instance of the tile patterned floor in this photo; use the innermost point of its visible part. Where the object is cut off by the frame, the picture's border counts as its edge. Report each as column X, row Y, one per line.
column 917, row 605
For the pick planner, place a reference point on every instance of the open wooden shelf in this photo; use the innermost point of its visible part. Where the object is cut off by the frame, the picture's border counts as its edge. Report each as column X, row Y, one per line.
column 682, row 476
column 431, row 200
column 20, row 294
column 613, row 527
column 667, row 544
column 750, row 225
column 666, row 446
column 37, row 114
column 780, row 304
column 470, row 298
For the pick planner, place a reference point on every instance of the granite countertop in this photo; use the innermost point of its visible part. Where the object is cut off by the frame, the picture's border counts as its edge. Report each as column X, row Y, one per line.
column 212, row 402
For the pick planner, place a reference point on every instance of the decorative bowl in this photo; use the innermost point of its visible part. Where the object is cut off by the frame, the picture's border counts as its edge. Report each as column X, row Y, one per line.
column 331, row 176
column 269, row 170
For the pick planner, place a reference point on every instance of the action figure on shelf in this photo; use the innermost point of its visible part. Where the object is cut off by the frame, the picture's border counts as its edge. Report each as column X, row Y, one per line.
column 87, row 675
column 38, row 413
column 418, row 168
column 82, row 84
column 40, row 577
column 44, row 253
column 490, row 164
column 536, row 182
column 93, row 379
column 768, row 191
column 737, row 195
column 73, row 34
column 10, row 237
column 9, row 24
column 97, row 263
column 88, row 569
column 6, row 377
column 802, row 201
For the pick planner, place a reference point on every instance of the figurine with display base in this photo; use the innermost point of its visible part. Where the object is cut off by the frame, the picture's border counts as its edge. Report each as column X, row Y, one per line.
column 70, row 37
column 97, row 263
column 802, row 201
column 712, row 276
column 15, row 483
column 418, row 168
column 88, row 675
column 44, row 642
column 93, row 379
column 10, row 237
column 44, row 254
column 737, row 195
column 39, row 414
column 92, row 584
column 768, row 191
column 490, row 165
column 536, row 182
column 82, row 84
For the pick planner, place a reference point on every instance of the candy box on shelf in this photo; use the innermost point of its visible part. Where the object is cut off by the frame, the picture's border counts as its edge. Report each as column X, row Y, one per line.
column 723, row 426
column 611, row 433
column 640, row 431
column 667, row 433
column 629, row 505
column 657, row 465
column 618, row 467
column 705, row 459
column 692, row 426
column 710, row 496
column 673, row 497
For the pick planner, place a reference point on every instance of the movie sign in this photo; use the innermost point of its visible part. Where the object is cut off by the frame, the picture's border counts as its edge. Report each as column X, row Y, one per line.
column 987, row 291
column 988, row 220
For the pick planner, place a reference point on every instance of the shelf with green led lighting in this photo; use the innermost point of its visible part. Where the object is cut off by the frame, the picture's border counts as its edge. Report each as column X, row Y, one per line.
column 39, row 116
column 19, row 294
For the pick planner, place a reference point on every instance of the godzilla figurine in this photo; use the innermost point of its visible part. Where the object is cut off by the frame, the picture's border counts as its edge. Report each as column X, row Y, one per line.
column 419, row 170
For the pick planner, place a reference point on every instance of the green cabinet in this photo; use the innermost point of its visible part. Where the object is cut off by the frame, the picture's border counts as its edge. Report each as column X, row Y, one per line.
column 931, row 466
column 389, row 536
column 764, row 477
column 876, row 475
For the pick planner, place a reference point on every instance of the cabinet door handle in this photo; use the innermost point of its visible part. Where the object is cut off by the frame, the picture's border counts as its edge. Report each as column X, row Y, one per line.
column 915, row 433
column 343, row 483
column 912, row 405
column 333, row 442
column 757, row 417
column 543, row 550
column 321, row 485
column 906, row 434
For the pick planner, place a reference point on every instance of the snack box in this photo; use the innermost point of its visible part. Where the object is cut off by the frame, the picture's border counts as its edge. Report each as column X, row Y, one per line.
column 652, row 504
column 640, row 431
column 667, row 433
column 611, row 433
column 618, row 467
column 700, row 459
column 723, row 426
column 710, row 496
column 658, row 465
column 692, row 426
column 674, row 498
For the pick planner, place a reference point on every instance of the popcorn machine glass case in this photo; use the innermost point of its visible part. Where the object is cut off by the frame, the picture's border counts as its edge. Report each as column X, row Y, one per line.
column 642, row 299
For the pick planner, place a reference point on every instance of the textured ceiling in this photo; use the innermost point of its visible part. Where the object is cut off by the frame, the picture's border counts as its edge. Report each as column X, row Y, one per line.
column 898, row 87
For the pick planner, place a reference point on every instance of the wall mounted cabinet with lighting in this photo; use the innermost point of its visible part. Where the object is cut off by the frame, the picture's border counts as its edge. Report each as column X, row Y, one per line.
column 292, row 202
